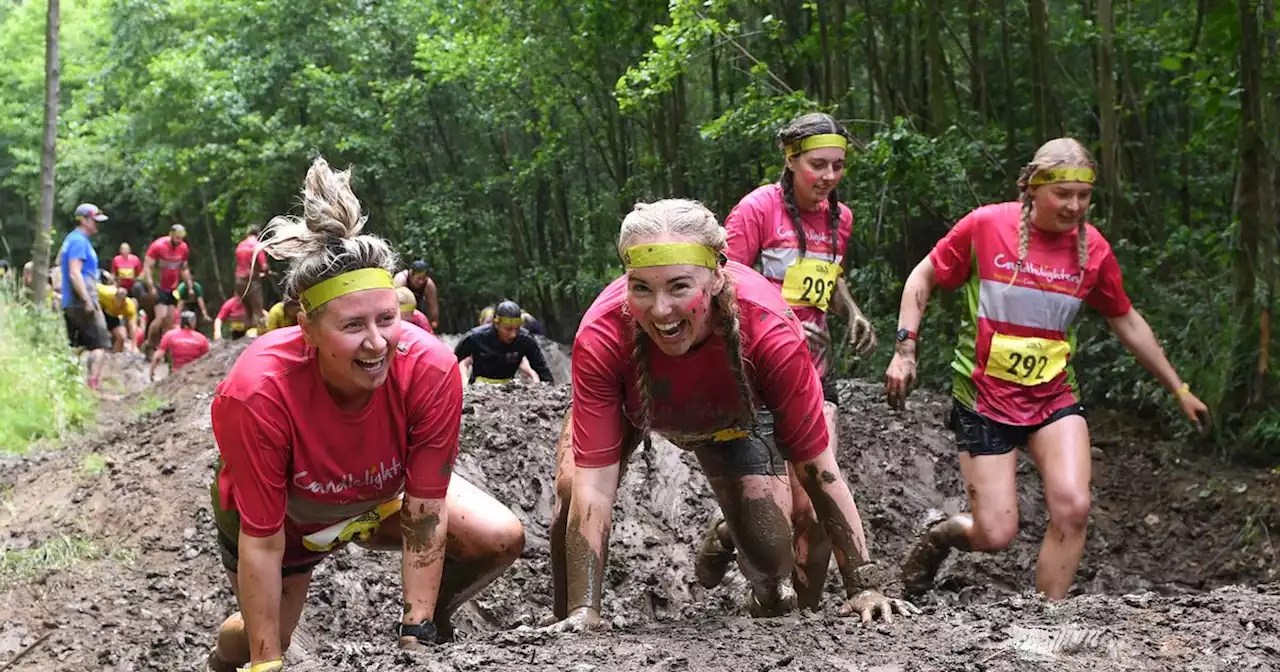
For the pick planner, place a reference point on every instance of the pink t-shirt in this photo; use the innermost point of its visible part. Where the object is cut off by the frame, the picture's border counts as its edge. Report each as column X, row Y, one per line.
column 184, row 345
column 697, row 392
column 759, row 229
column 294, row 461
column 126, row 268
column 421, row 321
column 244, row 258
column 1026, row 381
column 170, row 258
column 233, row 310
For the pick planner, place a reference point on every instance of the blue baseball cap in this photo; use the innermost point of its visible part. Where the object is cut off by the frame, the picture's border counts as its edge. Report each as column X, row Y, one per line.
column 90, row 210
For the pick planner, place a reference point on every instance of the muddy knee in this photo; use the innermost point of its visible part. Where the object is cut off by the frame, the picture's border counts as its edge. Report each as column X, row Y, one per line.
column 762, row 535
column 1070, row 512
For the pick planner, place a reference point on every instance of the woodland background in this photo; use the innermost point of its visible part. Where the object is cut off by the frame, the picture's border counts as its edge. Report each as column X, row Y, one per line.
column 502, row 141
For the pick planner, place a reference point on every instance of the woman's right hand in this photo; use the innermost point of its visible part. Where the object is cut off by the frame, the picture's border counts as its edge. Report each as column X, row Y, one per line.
column 582, row 619
column 899, row 379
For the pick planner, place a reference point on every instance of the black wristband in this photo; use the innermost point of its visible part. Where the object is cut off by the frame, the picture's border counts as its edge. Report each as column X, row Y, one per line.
column 425, row 631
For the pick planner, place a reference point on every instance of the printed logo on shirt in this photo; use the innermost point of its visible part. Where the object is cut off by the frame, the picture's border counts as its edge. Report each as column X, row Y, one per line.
column 377, row 475
column 1010, row 264
column 789, row 231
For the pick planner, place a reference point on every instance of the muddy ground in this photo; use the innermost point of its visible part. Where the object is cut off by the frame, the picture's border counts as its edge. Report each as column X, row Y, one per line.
column 1180, row 572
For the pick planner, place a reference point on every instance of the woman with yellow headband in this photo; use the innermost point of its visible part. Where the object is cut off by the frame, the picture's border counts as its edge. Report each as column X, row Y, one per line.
column 409, row 310
column 344, row 429
column 798, row 231
column 1024, row 268
column 705, row 351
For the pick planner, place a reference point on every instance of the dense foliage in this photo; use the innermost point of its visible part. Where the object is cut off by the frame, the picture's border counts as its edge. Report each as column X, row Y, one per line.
column 502, row 141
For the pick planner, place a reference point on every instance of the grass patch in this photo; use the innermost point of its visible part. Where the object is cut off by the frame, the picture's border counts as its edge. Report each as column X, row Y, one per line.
column 151, row 403
column 43, row 394
column 93, row 464
column 55, row 555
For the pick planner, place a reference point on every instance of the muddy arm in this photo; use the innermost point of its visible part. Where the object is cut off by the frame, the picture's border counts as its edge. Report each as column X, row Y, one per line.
column 590, row 518
column 423, row 524
column 259, row 581
column 838, row 513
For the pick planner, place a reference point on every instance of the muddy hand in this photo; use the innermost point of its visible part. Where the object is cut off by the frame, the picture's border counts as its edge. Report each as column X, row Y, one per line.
column 869, row 602
column 899, row 379
column 817, row 338
column 1194, row 409
column 582, row 619
column 862, row 335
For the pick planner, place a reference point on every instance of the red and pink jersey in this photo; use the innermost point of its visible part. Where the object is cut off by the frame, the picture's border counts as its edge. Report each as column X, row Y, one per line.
column 1013, row 360
column 126, row 268
column 293, row 460
column 244, row 258
column 421, row 321
column 696, row 394
column 759, row 229
column 233, row 310
column 170, row 258
column 184, row 345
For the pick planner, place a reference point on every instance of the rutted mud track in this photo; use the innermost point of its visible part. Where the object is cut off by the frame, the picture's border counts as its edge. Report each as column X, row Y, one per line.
column 1166, row 545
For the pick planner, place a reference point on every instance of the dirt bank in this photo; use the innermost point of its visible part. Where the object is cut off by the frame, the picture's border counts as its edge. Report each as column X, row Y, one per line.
column 1179, row 572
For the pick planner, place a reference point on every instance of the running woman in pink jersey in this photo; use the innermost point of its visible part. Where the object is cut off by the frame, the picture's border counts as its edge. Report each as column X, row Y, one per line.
column 704, row 351
column 798, row 231
column 344, row 429
column 1024, row 268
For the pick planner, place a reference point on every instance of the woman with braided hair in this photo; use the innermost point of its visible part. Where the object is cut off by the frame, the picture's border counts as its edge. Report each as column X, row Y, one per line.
column 1024, row 268
column 798, row 231
column 705, row 351
column 344, row 429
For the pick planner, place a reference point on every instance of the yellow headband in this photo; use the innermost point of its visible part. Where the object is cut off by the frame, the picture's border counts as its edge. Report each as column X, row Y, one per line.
column 341, row 285
column 408, row 307
column 818, row 142
column 508, row 321
column 1056, row 175
column 669, row 254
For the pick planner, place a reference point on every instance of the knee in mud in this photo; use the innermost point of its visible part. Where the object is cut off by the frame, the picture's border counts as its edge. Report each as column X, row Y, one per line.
column 763, row 537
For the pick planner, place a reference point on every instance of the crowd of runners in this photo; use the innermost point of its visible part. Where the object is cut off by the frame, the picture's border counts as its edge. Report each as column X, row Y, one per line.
column 344, row 428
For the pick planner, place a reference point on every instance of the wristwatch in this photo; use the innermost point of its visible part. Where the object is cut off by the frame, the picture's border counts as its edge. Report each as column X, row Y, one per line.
column 904, row 335
column 425, row 632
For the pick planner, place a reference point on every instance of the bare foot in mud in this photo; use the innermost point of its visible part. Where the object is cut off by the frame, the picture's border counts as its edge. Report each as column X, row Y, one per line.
column 784, row 604
column 582, row 619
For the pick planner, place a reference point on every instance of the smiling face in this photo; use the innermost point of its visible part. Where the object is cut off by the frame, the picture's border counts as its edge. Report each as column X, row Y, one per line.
column 1060, row 207
column 816, row 173
column 672, row 304
column 355, row 337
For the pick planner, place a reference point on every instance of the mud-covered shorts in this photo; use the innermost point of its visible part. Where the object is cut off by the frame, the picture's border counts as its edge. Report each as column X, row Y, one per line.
column 979, row 435
column 740, row 452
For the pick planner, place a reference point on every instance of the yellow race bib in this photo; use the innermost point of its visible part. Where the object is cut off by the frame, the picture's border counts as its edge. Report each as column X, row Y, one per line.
column 237, row 326
column 1026, row 361
column 125, row 273
column 360, row 528
column 810, row 282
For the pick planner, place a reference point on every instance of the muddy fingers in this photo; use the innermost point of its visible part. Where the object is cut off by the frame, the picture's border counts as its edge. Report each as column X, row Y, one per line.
column 868, row 603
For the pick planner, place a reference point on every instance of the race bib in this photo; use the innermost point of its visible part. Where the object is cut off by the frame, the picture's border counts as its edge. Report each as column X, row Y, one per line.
column 359, row 528
column 125, row 274
column 1026, row 361
column 237, row 326
column 810, row 282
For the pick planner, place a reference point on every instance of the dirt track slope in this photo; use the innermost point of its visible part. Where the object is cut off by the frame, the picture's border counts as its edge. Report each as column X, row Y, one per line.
column 1179, row 574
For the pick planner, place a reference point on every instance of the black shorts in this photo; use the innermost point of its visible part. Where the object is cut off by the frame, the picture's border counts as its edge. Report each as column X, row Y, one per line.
column 137, row 291
column 829, row 390
column 166, row 298
column 978, row 435
column 753, row 452
column 237, row 334
column 112, row 321
column 86, row 329
column 227, row 524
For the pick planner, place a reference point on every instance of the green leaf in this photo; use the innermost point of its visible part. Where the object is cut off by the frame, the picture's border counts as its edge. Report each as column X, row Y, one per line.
column 1171, row 63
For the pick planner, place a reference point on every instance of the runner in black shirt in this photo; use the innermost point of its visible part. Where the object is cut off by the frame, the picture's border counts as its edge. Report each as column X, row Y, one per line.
column 496, row 351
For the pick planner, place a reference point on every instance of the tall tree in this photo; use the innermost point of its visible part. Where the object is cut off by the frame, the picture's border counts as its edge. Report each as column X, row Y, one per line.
column 1041, row 96
column 52, row 75
column 1107, row 120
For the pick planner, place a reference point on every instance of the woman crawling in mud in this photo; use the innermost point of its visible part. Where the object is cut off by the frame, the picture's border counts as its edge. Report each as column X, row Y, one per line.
column 707, row 352
column 1024, row 267
column 344, row 428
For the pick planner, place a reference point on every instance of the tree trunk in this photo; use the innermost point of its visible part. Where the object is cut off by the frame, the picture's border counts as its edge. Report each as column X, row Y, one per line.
column 1184, row 124
column 1041, row 98
column 1010, row 94
column 933, row 46
column 1268, row 215
column 44, row 232
column 1107, row 118
column 1250, row 205
column 824, row 43
column 977, row 73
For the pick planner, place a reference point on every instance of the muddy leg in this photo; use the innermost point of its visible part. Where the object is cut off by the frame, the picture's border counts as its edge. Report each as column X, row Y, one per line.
column 484, row 539
column 812, row 546
column 1061, row 451
column 232, row 650
column 757, row 512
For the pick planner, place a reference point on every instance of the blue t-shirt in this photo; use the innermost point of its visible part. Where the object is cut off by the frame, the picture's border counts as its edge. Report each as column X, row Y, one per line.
column 77, row 246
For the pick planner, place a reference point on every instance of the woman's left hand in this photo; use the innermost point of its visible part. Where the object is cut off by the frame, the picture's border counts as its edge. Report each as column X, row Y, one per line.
column 862, row 335
column 868, row 602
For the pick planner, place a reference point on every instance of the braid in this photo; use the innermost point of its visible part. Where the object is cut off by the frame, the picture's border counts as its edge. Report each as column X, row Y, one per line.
column 727, row 305
column 789, row 199
column 643, row 382
column 1082, row 251
column 833, row 222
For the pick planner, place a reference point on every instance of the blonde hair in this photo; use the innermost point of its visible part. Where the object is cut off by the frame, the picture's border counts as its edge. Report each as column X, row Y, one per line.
column 404, row 295
column 688, row 219
column 325, row 241
column 1056, row 153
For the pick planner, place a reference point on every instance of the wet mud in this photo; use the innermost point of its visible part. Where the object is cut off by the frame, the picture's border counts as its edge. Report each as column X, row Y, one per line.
column 1180, row 571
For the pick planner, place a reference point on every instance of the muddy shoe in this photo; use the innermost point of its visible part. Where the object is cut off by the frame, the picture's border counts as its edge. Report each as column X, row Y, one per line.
column 713, row 558
column 923, row 560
